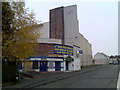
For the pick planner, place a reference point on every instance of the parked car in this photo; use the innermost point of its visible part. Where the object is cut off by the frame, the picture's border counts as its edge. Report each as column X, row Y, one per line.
column 116, row 63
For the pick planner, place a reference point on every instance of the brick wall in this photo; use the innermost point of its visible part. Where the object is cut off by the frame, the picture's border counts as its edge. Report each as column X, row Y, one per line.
column 57, row 24
column 43, row 49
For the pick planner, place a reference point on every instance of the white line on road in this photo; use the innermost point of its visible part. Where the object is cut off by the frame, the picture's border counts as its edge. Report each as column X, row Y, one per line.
column 118, row 82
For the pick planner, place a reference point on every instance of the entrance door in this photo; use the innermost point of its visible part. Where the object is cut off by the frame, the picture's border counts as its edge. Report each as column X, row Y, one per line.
column 57, row 66
column 43, row 66
column 66, row 66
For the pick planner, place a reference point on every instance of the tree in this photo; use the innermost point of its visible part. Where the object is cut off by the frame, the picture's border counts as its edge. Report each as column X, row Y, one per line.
column 7, row 32
column 24, row 37
column 9, row 69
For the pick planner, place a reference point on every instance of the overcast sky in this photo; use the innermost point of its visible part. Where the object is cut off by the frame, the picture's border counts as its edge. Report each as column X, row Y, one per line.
column 98, row 21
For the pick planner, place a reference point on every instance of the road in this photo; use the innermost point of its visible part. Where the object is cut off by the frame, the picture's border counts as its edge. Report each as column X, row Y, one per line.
column 105, row 77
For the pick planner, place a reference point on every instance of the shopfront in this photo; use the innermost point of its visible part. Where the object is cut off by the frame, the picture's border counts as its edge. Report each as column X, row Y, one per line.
column 49, row 64
column 39, row 65
column 50, row 57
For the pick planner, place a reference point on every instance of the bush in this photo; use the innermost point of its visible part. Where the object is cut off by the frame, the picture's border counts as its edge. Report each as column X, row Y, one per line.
column 9, row 73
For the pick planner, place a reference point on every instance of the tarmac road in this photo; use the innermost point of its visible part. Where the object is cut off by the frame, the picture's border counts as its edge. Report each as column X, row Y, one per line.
column 104, row 77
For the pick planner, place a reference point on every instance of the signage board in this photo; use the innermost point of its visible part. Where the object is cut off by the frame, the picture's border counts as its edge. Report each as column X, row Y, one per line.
column 45, row 58
column 35, row 58
column 63, row 49
column 80, row 52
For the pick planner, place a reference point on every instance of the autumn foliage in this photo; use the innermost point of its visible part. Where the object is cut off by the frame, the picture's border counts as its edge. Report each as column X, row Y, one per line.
column 19, row 37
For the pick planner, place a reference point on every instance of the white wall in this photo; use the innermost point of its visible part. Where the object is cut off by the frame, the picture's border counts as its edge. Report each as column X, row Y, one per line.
column 86, row 58
column 77, row 64
column 100, row 58
column 44, row 34
column 64, row 64
column 71, row 66
column 44, row 30
column 90, row 54
column 71, row 30
column 49, row 40
column 110, row 60
column 71, row 25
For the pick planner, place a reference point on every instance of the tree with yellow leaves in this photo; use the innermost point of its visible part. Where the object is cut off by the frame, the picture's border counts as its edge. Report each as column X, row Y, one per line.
column 19, row 42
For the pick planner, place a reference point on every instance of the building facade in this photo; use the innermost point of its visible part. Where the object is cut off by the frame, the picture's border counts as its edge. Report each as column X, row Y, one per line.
column 71, row 33
column 114, row 59
column 50, row 55
column 86, row 48
column 60, row 44
column 64, row 25
column 101, row 58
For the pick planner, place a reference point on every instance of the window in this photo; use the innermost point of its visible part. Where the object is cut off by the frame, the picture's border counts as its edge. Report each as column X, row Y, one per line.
column 50, row 64
column 35, row 64
column 19, row 64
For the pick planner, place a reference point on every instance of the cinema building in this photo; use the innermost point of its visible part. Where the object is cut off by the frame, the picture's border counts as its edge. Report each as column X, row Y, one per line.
column 59, row 43
column 50, row 55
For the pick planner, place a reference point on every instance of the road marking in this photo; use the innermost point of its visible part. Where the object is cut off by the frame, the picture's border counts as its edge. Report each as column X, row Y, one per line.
column 118, row 82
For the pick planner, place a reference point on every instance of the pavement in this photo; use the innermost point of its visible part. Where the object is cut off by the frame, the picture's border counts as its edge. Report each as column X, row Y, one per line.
column 118, row 82
column 49, row 77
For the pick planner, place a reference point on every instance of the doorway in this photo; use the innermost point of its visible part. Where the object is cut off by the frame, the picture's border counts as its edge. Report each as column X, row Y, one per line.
column 43, row 66
column 67, row 63
column 57, row 66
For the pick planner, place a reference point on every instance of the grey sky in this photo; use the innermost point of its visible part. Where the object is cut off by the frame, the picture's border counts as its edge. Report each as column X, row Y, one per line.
column 98, row 22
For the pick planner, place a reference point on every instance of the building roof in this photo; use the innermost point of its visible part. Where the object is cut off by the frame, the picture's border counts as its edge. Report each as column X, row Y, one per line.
column 116, row 56
column 102, row 54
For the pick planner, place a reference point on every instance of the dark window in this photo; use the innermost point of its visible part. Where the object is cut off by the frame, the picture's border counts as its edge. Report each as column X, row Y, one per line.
column 35, row 64
column 19, row 64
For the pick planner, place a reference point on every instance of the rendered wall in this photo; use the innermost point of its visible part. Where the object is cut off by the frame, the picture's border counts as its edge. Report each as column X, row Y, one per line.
column 44, row 30
column 71, row 33
column 100, row 59
column 86, row 58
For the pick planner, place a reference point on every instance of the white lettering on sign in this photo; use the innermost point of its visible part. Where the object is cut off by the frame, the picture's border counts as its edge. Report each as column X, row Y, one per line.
column 35, row 58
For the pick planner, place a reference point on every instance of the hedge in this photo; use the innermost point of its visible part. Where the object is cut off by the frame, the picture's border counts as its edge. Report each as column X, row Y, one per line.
column 9, row 73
